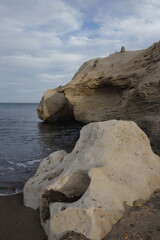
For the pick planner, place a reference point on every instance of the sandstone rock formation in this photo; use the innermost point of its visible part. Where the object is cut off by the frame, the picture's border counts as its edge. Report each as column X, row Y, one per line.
column 54, row 107
column 139, row 222
column 124, row 85
column 111, row 166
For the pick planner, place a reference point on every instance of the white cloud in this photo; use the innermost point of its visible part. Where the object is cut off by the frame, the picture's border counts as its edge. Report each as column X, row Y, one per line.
column 137, row 25
column 79, row 41
column 55, row 15
column 43, row 43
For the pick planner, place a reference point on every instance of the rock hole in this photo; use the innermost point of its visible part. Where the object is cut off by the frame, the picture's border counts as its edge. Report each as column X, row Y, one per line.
column 76, row 185
column 72, row 191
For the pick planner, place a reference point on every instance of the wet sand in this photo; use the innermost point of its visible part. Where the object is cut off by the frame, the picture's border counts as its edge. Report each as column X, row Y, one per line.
column 18, row 222
column 139, row 222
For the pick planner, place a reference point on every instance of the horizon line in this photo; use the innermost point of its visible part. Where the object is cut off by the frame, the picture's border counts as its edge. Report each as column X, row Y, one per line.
column 21, row 102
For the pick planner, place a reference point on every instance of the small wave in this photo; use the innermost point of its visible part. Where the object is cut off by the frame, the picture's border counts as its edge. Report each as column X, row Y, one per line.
column 10, row 168
column 21, row 164
column 28, row 163
column 2, row 168
column 10, row 162
column 33, row 161
column 10, row 192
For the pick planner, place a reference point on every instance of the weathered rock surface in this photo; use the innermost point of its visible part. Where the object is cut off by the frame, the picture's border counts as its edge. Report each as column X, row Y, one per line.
column 54, row 107
column 140, row 222
column 74, row 236
column 124, row 85
column 111, row 166
column 46, row 173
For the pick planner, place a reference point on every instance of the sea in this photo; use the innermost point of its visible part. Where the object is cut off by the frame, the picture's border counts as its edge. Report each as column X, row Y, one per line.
column 25, row 140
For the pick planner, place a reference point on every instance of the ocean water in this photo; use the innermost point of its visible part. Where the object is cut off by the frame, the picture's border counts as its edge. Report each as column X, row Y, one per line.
column 25, row 141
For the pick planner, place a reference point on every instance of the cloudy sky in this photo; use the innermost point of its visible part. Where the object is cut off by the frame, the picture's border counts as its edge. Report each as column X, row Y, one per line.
column 44, row 42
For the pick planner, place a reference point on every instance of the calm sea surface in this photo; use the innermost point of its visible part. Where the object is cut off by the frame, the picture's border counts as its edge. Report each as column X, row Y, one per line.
column 25, row 141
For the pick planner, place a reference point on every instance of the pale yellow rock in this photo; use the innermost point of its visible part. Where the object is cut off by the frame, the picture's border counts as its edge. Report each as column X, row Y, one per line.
column 124, row 85
column 54, row 106
column 47, row 172
column 112, row 164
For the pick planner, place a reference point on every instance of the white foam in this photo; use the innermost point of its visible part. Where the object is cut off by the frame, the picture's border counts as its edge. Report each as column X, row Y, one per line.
column 17, row 191
column 33, row 161
column 25, row 164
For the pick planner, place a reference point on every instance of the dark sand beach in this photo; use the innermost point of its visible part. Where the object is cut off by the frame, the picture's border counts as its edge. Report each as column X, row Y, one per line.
column 140, row 222
column 18, row 222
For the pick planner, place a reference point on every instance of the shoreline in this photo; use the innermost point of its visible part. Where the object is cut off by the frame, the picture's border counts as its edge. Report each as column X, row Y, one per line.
column 17, row 221
column 11, row 194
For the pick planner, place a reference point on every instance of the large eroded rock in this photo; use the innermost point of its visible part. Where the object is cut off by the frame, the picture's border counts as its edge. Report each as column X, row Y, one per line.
column 112, row 165
column 54, row 106
column 124, row 85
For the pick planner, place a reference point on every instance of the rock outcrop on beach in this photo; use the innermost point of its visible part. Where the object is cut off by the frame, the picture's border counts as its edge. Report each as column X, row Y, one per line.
column 86, row 191
column 54, row 106
column 139, row 222
column 124, row 85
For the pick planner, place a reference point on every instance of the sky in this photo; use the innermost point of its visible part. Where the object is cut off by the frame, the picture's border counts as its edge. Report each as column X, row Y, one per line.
column 43, row 43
